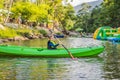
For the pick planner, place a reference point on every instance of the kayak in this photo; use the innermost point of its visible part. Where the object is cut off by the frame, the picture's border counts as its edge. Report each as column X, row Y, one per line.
column 12, row 50
column 59, row 36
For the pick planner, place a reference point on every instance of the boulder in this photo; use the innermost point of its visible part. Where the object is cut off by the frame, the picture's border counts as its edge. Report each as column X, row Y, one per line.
column 19, row 38
column 2, row 27
column 1, row 41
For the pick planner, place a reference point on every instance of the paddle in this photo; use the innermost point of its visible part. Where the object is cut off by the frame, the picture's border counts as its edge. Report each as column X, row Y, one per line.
column 63, row 46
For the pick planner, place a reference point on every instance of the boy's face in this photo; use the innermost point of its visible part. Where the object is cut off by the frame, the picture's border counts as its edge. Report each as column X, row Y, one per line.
column 51, row 38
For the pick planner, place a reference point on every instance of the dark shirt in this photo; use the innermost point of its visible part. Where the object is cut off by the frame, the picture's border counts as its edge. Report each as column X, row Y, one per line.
column 51, row 45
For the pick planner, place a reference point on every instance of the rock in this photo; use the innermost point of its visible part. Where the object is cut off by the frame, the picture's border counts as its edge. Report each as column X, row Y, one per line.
column 5, row 40
column 33, row 37
column 1, row 41
column 2, row 27
column 40, row 36
column 10, row 39
column 75, row 34
column 19, row 38
column 12, row 25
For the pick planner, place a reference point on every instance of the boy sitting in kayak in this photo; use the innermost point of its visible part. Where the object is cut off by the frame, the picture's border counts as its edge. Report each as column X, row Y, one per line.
column 51, row 43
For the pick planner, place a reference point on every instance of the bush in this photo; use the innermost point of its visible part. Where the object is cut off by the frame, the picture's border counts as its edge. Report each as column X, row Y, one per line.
column 8, row 33
column 24, row 32
column 43, row 32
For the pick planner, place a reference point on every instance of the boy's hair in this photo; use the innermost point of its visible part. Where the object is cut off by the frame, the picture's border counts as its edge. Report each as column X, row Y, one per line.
column 49, row 36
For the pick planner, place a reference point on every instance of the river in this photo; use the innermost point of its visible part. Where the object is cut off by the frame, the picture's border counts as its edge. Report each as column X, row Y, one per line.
column 106, row 66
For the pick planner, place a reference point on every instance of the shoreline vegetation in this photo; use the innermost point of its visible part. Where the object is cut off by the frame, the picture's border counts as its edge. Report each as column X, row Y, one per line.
column 24, row 20
column 14, row 32
column 28, row 20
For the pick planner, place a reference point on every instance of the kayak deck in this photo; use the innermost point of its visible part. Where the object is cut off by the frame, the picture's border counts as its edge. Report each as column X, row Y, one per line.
column 43, row 52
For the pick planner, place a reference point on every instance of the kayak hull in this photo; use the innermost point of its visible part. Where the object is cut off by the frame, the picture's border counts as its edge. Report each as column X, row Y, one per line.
column 10, row 50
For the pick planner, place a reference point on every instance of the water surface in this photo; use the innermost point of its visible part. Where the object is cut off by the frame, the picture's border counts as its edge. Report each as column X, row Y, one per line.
column 103, row 67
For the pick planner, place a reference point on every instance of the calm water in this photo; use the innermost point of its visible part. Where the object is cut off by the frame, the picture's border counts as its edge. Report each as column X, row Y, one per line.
column 104, row 67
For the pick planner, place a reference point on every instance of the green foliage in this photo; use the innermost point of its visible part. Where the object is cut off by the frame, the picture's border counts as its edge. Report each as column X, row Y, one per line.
column 66, row 17
column 82, row 18
column 58, row 33
column 1, row 3
column 43, row 32
column 43, row 11
column 78, row 29
column 107, row 14
column 30, row 11
column 24, row 32
column 8, row 33
column 111, row 12
column 24, row 9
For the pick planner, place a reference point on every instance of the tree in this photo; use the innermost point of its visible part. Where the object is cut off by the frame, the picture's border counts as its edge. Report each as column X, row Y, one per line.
column 43, row 11
column 30, row 11
column 110, row 12
column 8, row 14
column 68, row 20
column 83, row 17
column 1, row 4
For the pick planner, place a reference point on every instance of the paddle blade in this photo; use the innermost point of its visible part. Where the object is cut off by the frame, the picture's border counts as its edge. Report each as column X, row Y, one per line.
column 74, row 58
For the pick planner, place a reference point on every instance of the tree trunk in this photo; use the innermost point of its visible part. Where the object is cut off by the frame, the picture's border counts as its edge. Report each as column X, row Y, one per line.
column 11, row 1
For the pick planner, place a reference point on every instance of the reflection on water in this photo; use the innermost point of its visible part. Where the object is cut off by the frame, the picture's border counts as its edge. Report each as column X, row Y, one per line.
column 68, row 42
column 50, row 69
column 104, row 67
column 112, row 61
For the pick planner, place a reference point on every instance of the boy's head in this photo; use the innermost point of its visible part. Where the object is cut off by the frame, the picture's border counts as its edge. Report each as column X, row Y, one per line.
column 50, row 37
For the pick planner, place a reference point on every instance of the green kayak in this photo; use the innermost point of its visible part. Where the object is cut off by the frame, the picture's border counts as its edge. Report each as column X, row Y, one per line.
column 11, row 50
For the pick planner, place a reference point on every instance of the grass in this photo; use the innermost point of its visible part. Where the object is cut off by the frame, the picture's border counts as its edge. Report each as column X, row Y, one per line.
column 7, row 33
column 25, row 32
column 43, row 32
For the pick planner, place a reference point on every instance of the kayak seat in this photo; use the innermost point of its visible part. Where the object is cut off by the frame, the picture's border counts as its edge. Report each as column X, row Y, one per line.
column 39, row 49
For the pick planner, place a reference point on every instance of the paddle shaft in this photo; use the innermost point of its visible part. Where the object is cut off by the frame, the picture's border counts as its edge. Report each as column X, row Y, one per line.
column 66, row 50
column 63, row 46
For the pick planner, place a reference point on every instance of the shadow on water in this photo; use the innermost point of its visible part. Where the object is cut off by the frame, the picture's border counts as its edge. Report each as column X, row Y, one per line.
column 112, row 61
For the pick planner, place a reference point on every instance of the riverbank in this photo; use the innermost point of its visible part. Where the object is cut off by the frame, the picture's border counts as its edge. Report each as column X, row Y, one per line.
column 14, row 32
